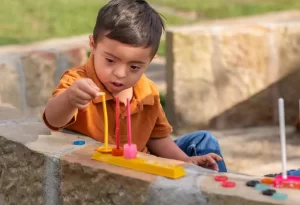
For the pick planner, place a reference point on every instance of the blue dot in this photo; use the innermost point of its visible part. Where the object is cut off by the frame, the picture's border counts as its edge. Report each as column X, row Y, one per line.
column 280, row 196
column 261, row 187
column 79, row 142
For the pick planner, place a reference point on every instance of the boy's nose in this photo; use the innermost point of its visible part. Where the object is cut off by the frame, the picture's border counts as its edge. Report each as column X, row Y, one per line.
column 120, row 72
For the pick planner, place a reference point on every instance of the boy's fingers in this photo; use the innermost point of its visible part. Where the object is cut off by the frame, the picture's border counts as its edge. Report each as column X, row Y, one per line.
column 92, row 84
column 212, row 163
column 215, row 156
column 215, row 167
column 83, row 95
column 211, row 160
column 81, row 101
column 82, row 107
column 87, row 88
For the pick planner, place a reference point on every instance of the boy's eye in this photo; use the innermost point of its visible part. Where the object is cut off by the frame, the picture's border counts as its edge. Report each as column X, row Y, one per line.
column 109, row 60
column 133, row 67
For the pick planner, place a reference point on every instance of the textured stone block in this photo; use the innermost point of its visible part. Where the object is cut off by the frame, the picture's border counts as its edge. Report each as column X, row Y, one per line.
column 244, row 47
column 288, row 37
column 193, row 55
column 100, row 186
column 51, row 170
column 76, row 56
column 39, row 70
column 232, row 74
column 69, row 58
column 192, row 102
column 22, row 172
column 11, row 86
column 243, row 66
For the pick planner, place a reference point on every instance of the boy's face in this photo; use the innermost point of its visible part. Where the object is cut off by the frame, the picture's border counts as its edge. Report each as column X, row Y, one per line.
column 119, row 66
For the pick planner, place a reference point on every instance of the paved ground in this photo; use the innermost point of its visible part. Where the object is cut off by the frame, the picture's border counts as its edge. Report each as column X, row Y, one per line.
column 257, row 151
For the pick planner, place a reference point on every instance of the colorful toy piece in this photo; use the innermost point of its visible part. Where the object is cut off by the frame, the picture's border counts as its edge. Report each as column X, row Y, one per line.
column 280, row 196
column 221, row 178
column 228, row 184
column 131, row 160
column 267, row 181
column 289, row 182
column 106, row 148
column 79, row 142
column 130, row 150
column 117, row 151
column 284, row 181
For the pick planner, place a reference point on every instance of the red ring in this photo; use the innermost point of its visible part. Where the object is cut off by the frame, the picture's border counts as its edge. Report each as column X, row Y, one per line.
column 221, row 178
column 228, row 184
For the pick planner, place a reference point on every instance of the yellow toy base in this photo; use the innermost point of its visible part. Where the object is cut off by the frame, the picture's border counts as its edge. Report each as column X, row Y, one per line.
column 148, row 166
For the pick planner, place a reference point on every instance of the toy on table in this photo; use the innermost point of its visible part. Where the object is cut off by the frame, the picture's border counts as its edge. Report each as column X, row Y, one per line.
column 117, row 151
column 284, row 181
column 130, row 150
column 105, row 148
column 130, row 160
column 224, row 181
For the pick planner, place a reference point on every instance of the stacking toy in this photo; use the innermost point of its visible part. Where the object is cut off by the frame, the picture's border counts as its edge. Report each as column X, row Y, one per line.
column 130, row 150
column 117, row 151
column 284, row 181
column 106, row 148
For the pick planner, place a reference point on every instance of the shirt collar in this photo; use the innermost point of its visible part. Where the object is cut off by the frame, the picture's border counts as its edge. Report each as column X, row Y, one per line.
column 142, row 89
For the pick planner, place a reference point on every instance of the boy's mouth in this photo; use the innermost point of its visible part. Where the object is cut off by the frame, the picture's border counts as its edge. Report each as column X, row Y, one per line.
column 117, row 84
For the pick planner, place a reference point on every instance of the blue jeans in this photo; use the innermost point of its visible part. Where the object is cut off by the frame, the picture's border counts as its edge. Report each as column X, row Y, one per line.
column 201, row 143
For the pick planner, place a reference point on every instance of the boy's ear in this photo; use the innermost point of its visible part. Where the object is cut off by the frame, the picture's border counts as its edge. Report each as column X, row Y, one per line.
column 92, row 43
column 155, row 56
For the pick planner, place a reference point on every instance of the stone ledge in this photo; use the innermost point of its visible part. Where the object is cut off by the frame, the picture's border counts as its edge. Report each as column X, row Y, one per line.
column 232, row 72
column 42, row 168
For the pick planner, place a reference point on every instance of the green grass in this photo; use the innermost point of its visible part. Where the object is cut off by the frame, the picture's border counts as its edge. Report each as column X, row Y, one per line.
column 25, row 21
column 229, row 8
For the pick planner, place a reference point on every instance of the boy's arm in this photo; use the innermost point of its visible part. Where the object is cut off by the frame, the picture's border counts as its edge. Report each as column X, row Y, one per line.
column 59, row 111
column 63, row 107
column 166, row 148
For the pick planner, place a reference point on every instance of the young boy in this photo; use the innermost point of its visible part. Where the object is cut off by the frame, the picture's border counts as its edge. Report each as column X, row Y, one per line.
column 124, row 42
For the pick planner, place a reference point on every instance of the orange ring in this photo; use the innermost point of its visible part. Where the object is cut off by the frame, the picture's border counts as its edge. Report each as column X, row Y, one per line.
column 267, row 181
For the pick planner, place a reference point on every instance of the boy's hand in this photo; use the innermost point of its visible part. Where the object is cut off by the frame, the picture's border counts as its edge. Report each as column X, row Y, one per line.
column 207, row 161
column 82, row 91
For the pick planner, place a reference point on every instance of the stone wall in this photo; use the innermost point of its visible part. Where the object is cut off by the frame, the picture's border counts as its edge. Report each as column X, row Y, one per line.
column 29, row 73
column 230, row 73
column 45, row 168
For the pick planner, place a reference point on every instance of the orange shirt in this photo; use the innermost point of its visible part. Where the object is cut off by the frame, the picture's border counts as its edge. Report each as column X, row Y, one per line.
column 148, row 119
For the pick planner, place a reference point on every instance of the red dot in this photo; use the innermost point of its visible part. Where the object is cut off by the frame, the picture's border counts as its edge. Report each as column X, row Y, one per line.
column 221, row 178
column 228, row 184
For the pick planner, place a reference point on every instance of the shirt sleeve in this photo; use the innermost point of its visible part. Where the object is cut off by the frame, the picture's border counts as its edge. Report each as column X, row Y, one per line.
column 65, row 82
column 162, row 127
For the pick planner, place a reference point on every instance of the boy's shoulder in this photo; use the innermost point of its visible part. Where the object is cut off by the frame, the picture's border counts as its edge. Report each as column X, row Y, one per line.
column 75, row 72
column 147, row 86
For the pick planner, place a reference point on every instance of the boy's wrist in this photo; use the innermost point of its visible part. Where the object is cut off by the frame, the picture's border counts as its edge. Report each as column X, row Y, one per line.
column 68, row 98
column 189, row 160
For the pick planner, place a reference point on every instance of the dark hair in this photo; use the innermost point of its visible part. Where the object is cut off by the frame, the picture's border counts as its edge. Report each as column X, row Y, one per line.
column 132, row 22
